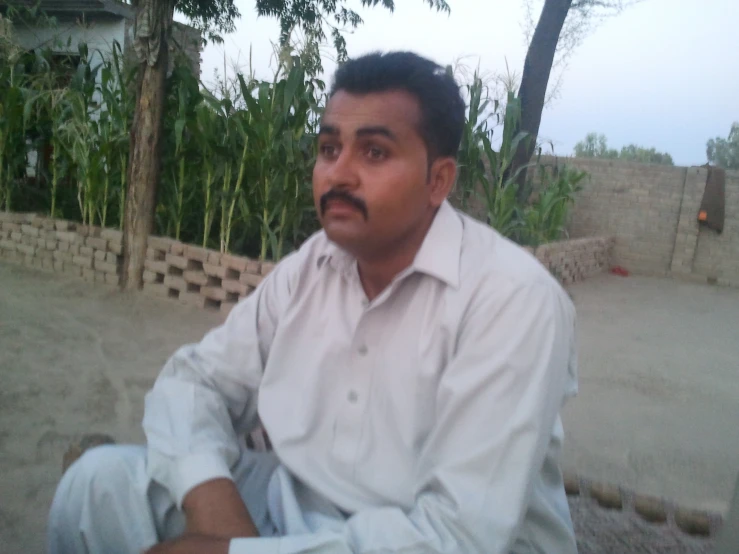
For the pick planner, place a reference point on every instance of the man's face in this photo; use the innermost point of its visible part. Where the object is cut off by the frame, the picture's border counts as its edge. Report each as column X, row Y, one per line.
column 371, row 179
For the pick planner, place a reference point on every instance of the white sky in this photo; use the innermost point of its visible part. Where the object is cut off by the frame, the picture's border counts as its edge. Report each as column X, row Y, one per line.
column 665, row 73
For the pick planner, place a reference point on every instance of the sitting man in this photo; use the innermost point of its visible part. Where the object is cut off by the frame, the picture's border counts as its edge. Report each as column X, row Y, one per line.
column 408, row 364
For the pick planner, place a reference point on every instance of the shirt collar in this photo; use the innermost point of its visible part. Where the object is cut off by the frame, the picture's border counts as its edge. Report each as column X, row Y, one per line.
column 439, row 255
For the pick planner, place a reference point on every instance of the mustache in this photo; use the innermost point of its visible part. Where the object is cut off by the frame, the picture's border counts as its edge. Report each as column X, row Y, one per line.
column 343, row 196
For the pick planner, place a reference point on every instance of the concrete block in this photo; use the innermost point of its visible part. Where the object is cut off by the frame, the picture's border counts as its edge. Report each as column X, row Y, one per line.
column 149, row 276
column 254, row 267
column 177, row 261
column 195, row 277
column 25, row 249
column 267, row 268
column 51, row 244
column 233, row 286
column 115, row 248
column 693, row 522
column 67, row 236
column 177, row 248
column 86, row 251
column 74, row 248
column 214, row 258
column 16, row 236
column 8, row 244
column 61, row 256
column 99, row 255
column 11, row 227
column 63, row 225
column 650, row 508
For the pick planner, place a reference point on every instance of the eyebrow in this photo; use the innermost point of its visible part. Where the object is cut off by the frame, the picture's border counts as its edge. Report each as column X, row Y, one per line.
column 361, row 132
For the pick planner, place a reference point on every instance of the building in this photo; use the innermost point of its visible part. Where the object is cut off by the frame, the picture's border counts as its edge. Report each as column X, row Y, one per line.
column 99, row 24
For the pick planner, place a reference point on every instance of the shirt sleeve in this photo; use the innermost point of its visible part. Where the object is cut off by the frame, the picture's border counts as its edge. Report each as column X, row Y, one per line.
column 497, row 405
column 205, row 398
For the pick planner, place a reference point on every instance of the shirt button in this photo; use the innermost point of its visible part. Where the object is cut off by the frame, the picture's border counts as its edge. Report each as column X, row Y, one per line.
column 353, row 396
column 362, row 350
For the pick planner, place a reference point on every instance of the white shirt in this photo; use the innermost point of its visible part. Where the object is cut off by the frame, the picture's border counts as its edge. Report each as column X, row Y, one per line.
column 429, row 416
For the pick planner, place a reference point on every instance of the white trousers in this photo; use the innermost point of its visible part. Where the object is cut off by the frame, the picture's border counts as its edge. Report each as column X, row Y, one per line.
column 106, row 503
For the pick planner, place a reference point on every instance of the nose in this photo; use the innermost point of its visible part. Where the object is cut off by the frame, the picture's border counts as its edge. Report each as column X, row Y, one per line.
column 342, row 173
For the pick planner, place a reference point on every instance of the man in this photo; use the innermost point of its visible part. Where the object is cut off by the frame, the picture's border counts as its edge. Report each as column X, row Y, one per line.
column 408, row 364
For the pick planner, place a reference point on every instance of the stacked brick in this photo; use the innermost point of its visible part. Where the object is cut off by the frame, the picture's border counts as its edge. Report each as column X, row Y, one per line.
column 198, row 276
column 572, row 261
column 62, row 246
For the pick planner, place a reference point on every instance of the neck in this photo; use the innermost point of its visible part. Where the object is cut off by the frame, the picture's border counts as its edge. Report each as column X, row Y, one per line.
column 377, row 272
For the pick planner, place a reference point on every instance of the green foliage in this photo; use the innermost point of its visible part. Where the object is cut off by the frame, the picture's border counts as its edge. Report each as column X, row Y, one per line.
column 724, row 152
column 596, row 146
column 486, row 177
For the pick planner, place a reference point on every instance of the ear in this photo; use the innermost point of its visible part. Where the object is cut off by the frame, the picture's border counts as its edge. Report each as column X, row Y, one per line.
column 442, row 175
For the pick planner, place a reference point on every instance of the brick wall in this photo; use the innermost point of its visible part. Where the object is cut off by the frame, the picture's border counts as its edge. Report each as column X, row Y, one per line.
column 203, row 277
column 652, row 211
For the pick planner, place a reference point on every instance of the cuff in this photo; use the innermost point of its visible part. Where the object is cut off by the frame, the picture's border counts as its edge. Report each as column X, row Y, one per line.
column 259, row 545
column 194, row 469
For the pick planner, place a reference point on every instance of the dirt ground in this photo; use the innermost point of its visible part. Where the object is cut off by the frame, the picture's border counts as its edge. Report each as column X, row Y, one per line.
column 657, row 411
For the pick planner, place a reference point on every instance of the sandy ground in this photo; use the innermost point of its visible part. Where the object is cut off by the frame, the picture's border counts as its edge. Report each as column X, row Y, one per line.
column 658, row 409
column 657, row 412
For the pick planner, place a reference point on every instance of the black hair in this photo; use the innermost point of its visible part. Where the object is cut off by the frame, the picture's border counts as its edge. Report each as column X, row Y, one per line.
column 442, row 107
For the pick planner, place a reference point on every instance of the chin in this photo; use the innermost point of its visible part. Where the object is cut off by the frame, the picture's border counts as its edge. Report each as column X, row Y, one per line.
column 343, row 235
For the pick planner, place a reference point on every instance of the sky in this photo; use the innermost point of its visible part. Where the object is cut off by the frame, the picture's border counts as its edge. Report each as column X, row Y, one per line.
column 662, row 74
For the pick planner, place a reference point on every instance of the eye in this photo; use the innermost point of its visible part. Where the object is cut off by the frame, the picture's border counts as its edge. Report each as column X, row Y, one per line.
column 376, row 153
column 328, row 150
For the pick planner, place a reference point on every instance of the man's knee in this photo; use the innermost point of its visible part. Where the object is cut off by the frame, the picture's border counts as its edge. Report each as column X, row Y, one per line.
column 89, row 491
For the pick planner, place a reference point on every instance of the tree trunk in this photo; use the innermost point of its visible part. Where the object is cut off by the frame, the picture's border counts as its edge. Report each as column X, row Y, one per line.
column 534, row 81
column 144, row 162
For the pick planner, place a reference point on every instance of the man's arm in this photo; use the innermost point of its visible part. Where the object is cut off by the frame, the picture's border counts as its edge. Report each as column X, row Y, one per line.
column 204, row 401
column 497, row 405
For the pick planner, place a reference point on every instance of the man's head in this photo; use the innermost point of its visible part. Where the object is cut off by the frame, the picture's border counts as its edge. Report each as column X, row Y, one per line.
column 387, row 151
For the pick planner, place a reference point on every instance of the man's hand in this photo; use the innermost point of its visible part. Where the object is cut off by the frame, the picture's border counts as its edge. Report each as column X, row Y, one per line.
column 215, row 509
column 192, row 544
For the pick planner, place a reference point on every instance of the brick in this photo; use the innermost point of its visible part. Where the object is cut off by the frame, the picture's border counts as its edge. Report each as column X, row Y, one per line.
column 99, row 255
column 226, row 307
column 12, row 227
column 111, row 279
column 251, row 280
column 67, row 236
column 74, row 249
column 47, row 224
column 97, row 243
column 196, row 253
column 112, row 258
column 44, row 254
column 41, row 242
column 11, row 217
column 63, row 225
column 51, row 244
column 113, row 235
column 8, row 244
column 608, row 496
column 236, row 263
column 161, row 243
column 82, row 261
column 214, row 258
column 177, row 248
column 62, row 256
column 88, row 274
column 693, row 522
column 86, row 251
column 156, row 289
column 192, row 299
column 156, row 267
column 267, row 268
column 254, row 267
column 154, row 254
column 30, row 230
column 25, row 249
column 58, row 266
column 149, row 276
column 115, row 248
column 233, row 286
column 174, row 282
column 177, row 261
column 215, row 270
column 195, row 277
column 650, row 508
column 107, row 267
column 16, row 236
column 214, row 293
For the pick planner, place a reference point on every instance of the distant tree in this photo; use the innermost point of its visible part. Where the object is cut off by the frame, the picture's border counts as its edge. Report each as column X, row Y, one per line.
column 635, row 153
column 596, row 146
column 724, row 152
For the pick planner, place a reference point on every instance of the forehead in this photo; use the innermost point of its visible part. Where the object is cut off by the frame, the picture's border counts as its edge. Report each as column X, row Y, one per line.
column 397, row 110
